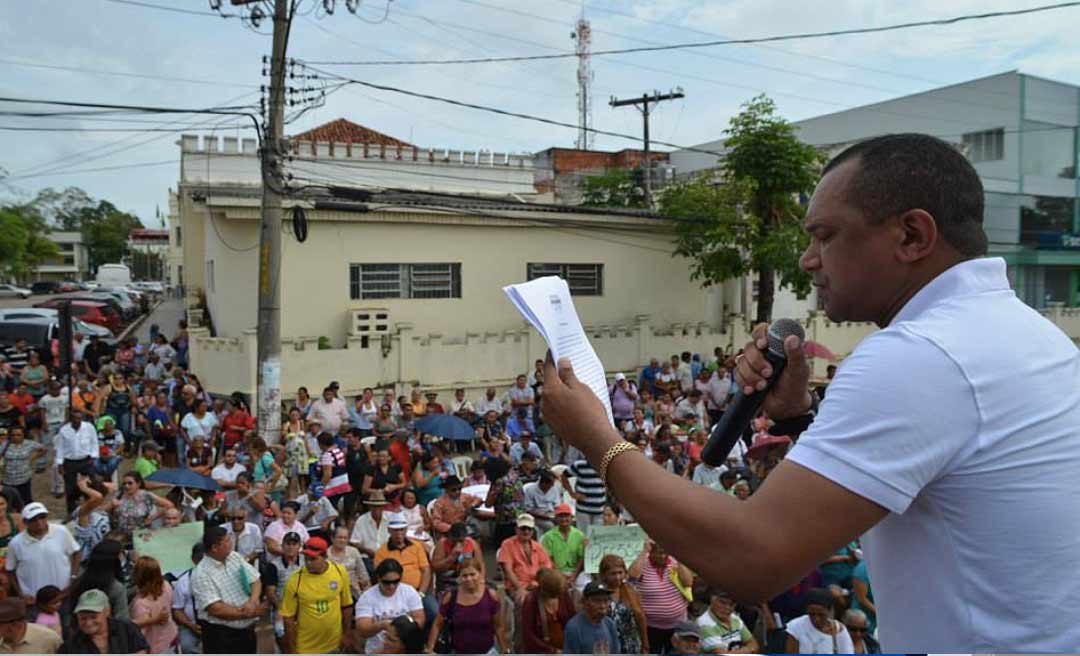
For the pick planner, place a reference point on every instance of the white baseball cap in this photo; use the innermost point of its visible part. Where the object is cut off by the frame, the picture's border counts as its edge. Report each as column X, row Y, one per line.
column 32, row 510
column 397, row 520
column 620, row 376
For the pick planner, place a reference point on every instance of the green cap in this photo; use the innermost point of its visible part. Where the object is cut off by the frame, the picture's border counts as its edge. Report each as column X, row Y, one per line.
column 93, row 601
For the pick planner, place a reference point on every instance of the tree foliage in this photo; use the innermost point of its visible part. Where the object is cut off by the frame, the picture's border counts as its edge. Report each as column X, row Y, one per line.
column 104, row 228
column 24, row 241
column 747, row 218
column 614, row 188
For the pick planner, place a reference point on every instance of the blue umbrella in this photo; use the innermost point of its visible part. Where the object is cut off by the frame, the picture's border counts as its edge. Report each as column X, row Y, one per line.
column 447, row 427
column 184, row 478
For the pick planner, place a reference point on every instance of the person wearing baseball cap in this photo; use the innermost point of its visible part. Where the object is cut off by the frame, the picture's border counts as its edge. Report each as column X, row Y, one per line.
column 43, row 553
column 565, row 544
column 314, row 604
column 17, row 636
column 591, row 631
column 413, row 558
column 686, row 638
column 521, row 557
column 98, row 632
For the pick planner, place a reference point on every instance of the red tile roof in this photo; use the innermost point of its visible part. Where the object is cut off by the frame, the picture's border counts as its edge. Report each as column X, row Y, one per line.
column 343, row 131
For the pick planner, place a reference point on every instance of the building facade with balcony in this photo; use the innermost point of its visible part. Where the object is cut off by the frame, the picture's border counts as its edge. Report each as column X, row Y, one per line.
column 71, row 263
column 1021, row 134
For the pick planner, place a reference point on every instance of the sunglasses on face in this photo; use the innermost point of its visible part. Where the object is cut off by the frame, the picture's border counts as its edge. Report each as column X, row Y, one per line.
column 856, row 629
column 389, row 582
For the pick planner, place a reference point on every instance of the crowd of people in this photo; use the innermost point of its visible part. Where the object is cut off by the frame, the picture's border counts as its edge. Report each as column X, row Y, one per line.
column 355, row 530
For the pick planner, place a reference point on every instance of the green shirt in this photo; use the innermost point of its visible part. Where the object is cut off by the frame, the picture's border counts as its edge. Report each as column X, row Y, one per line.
column 145, row 467
column 567, row 552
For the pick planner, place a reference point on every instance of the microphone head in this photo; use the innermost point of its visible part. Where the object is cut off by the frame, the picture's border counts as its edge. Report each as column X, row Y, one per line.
column 779, row 331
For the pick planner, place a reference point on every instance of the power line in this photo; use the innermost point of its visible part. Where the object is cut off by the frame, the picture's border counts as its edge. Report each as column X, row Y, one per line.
column 166, row 78
column 12, row 128
column 708, row 44
column 94, row 170
column 193, row 12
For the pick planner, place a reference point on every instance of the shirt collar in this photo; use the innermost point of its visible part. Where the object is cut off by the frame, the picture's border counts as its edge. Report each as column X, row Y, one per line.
column 967, row 278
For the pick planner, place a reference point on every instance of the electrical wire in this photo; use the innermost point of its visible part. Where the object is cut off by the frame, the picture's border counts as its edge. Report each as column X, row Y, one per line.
column 386, row 14
column 709, row 44
column 12, row 128
column 93, row 170
column 93, row 71
column 193, row 12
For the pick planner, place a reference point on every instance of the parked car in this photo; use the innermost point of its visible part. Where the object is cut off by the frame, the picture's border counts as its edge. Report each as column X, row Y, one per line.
column 119, row 300
column 11, row 291
column 38, row 332
column 69, row 286
column 96, row 312
column 88, row 329
column 45, row 287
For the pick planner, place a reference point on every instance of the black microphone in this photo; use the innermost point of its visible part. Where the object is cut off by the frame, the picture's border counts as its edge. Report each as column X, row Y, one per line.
column 732, row 424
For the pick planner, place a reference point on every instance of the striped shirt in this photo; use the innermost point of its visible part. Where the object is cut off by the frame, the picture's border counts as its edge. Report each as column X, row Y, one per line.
column 662, row 602
column 591, row 486
column 16, row 358
column 17, row 468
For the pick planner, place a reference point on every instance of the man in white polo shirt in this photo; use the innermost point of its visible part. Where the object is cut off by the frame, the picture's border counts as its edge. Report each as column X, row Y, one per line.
column 950, row 439
column 43, row 554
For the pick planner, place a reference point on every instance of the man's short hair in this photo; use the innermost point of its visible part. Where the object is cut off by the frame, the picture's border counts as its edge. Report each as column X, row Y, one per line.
column 901, row 172
column 212, row 535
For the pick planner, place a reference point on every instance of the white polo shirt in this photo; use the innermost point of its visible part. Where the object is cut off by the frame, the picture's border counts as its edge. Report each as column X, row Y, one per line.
column 962, row 418
column 38, row 563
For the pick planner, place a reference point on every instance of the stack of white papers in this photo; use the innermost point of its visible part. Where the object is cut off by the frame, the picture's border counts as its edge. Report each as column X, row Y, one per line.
column 546, row 304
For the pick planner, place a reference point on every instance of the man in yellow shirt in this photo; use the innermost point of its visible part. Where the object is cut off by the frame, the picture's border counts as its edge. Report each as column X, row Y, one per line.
column 314, row 603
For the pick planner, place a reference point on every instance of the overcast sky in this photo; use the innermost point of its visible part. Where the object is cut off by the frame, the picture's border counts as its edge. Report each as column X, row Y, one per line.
column 221, row 61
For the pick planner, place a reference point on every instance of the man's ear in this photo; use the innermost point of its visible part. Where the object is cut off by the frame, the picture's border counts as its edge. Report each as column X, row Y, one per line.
column 917, row 233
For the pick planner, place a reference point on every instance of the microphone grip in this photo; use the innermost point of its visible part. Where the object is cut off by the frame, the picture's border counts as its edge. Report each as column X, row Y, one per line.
column 740, row 412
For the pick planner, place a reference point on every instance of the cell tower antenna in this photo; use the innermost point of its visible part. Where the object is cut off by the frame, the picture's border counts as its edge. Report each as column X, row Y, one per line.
column 582, row 36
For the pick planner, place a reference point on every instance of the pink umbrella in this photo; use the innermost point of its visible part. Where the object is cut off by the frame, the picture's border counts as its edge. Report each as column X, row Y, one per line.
column 815, row 350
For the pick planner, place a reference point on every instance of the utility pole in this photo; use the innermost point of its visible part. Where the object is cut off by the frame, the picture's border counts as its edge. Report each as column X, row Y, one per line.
column 268, row 402
column 644, row 102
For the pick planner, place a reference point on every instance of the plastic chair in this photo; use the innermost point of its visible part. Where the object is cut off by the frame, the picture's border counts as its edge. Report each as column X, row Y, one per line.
column 462, row 466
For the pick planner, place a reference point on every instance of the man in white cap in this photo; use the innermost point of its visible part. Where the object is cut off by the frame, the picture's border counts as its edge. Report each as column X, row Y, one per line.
column 413, row 558
column 99, row 632
column 43, row 554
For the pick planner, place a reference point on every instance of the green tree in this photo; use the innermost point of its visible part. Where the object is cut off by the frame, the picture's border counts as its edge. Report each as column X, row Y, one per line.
column 24, row 240
column 104, row 228
column 748, row 218
column 614, row 188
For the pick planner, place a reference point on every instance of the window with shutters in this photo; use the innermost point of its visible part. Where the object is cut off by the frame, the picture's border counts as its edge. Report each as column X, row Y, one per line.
column 434, row 280
column 583, row 279
column 985, row 146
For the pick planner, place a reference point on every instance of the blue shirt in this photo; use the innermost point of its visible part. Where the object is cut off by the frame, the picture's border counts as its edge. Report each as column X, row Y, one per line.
column 514, row 427
column 583, row 637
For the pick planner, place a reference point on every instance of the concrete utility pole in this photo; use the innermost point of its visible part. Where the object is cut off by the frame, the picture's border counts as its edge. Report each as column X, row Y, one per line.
column 644, row 101
column 268, row 401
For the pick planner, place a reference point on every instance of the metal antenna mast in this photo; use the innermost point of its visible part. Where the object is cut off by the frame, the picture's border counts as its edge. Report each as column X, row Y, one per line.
column 582, row 36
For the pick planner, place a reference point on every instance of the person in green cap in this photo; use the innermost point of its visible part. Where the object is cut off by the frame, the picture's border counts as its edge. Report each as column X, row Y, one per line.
column 98, row 632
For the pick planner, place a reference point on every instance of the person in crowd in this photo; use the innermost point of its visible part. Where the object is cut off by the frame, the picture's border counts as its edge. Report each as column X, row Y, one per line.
column 227, row 592
column 401, row 446
column 237, row 426
column 317, row 514
column 19, row 453
column 90, row 521
column 200, row 457
column 330, row 412
column 151, row 607
column 384, row 475
column 722, row 630
column 53, row 408
column 200, row 421
column 162, row 349
column 818, row 632
column 349, row 558
column 183, row 606
column 624, row 606
column 540, row 499
column 333, row 473
column 317, row 605
column 42, row 554
column 655, row 572
column 379, row 606
column 477, row 475
column 450, row 553
column 226, row 472
column 591, row 631
column 461, row 407
column 160, row 426
column 149, row 461
column 490, row 430
column 521, row 396
column 686, row 639
column 370, row 531
column 473, row 613
column 413, row 559
column 432, row 405
column 858, row 627
column 490, row 403
column 384, row 424
column 357, row 462
column 136, row 507
column 110, row 447
column 104, row 570
column 612, row 515
column 452, row 507
column 520, row 421
column 524, row 444
column 98, row 631
column 545, row 611
column 403, row 636
column 35, row 375
column 18, row 636
column 245, row 499
column 279, row 568
column 837, row 568
column 506, row 496
column 246, row 536
column 590, row 494
column 862, row 596
column 286, row 523
column 624, row 396
column 46, row 611
column 565, row 544
column 416, row 516
column 117, row 400
column 427, row 478
column 521, row 557
column 76, row 448
column 362, row 414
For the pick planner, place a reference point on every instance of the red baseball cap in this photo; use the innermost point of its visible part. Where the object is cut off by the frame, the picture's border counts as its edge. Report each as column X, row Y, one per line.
column 315, row 547
column 563, row 509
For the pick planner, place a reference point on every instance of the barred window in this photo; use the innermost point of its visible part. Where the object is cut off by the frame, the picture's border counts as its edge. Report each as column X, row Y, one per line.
column 583, row 279
column 373, row 281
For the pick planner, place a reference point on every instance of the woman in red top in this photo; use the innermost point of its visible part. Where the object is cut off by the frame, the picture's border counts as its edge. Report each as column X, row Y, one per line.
column 238, row 423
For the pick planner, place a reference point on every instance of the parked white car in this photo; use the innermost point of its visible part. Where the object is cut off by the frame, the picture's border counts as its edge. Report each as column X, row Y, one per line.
column 11, row 291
